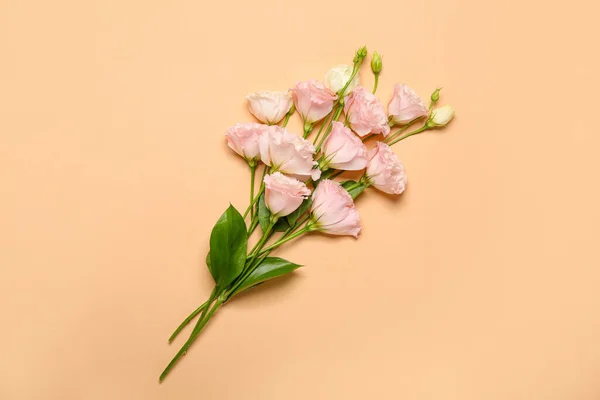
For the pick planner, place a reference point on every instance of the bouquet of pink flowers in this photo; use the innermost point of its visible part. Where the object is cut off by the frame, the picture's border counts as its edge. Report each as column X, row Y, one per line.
column 297, row 192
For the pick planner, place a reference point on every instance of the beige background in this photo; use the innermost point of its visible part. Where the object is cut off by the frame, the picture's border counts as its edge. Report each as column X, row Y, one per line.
column 480, row 282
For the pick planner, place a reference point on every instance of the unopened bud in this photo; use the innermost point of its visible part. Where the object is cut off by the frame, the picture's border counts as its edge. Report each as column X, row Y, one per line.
column 376, row 63
column 440, row 116
column 360, row 55
column 435, row 96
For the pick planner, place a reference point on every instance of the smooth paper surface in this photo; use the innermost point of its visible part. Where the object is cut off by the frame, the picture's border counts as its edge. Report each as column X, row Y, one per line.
column 479, row 282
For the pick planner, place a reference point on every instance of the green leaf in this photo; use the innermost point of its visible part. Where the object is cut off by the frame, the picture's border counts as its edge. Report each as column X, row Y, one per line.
column 264, row 218
column 355, row 191
column 293, row 217
column 271, row 267
column 263, row 213
column 281, row 225
column 228, row 246
column 209, row 265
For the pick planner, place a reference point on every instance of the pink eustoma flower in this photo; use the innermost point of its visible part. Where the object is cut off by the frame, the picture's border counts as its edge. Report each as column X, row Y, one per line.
column 283, row 195
column 333, row 210
column 243, row 139
column 405, row 105
column 385, row 171
column 312, row 100
column 366, row 113
column 285, row 152
column 344, row 150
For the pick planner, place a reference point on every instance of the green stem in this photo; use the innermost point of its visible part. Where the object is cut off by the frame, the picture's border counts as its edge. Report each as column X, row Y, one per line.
column 338, row 111
column 264, row 237
column 210, row 300
column 307, row 129
column 205, row 304
column 394, row 135
column 187, row 321
column 376, row 83
column 421, row 129
column 262, row 241
column 253, row 254
column 323, row 124
column 255, row 199
column 287, row 117
column 338, row 102
column 285, row 240
column 238, row 282
column 265, row 172
column 201, row 324
column 354, row 72
column 336, row 175
column 357, row 184
column 253, row 226
column 257, row 260
column 252, row 178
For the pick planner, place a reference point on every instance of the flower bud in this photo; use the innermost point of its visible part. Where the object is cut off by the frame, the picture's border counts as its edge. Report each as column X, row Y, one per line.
column 440, row 116
column 376, row 63
column 435, row 96
column 360, row 55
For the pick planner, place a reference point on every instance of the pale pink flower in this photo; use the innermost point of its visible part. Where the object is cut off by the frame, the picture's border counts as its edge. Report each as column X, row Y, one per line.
column 283, row 195
column 269, row 107
column 344, row 150
column 405, row 105
column 366, row 113
column 385, row 171
column 285, row 152
column 333, row 210
column 313, row 100
column 337, row 77
column 243, row 139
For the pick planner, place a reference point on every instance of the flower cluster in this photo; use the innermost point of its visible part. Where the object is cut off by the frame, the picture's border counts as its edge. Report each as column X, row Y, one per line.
column 298, row 192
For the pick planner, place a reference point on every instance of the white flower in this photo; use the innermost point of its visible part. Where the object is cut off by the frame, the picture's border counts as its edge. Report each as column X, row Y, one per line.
column 336, row 78
column 441, row 116
column 269, row 107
